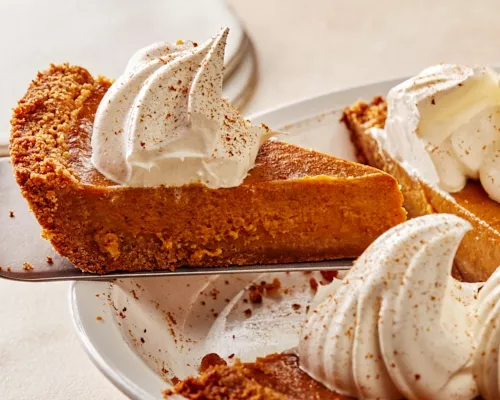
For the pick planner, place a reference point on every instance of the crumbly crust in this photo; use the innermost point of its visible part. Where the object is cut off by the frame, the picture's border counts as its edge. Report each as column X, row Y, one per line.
column 295, row 205
column 479, row 253
column 366, row 116
column 43, row 118
column 223, row 383
column 276, row 376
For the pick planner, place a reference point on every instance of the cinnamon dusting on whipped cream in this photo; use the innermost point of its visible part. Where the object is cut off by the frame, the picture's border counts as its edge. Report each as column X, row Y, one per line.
column 164, row 121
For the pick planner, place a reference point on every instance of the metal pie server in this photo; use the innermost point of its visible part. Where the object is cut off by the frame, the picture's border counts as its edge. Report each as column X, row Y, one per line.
column 25, row 256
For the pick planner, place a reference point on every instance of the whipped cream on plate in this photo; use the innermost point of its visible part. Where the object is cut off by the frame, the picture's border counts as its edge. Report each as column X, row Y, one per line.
column 164, row 121
column 487, row 334
column 399, row 326
column 445, row 123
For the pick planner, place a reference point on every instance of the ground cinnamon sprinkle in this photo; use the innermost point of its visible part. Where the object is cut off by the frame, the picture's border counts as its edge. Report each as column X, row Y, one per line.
column 255, row 292
column 50, row 260
column 11, row 214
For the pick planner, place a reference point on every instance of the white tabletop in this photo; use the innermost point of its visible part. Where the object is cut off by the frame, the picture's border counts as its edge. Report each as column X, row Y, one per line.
column 304, row 48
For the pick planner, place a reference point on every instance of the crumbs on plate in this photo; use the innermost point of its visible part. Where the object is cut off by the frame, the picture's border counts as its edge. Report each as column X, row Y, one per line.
column 27, row 266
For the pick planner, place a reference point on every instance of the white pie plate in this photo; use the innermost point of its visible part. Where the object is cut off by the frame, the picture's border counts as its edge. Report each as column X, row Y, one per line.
column 176, row 317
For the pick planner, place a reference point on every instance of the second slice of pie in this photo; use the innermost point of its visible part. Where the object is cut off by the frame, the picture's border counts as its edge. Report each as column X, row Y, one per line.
column 479, row 253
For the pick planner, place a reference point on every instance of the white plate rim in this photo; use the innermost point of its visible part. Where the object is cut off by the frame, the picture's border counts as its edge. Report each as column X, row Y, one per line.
column 105, row 366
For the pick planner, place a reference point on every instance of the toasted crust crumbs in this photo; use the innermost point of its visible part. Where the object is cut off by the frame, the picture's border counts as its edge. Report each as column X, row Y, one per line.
column 28, row 266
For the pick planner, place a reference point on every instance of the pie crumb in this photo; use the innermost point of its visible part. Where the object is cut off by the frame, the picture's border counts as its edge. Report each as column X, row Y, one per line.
column 50, row 260
column 175, row 380
column 211, row 360
column 314, row 284
column 99, row 318
column 11, row 214
column 254, row 295
column 28, row 266
column 274, row 287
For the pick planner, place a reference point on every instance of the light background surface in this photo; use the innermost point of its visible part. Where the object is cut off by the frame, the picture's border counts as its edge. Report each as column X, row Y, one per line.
column 310, row 47
column 304, row 48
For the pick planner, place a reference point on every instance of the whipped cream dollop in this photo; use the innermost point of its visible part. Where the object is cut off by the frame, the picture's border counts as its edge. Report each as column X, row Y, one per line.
column 487, row 334
column 445, row 123
column 164, row 122
column 399, row 326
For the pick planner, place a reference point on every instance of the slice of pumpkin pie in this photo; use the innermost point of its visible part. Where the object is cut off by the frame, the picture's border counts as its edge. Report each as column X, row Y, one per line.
column 156, row 171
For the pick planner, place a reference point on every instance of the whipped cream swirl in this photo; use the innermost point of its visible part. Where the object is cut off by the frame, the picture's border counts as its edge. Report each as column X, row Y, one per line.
column 445, row 123
column 398, row 326
column 163, row 122
column 487, row 333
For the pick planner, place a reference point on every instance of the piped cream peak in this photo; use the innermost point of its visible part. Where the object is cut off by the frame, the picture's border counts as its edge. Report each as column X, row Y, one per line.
column 164, row 121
